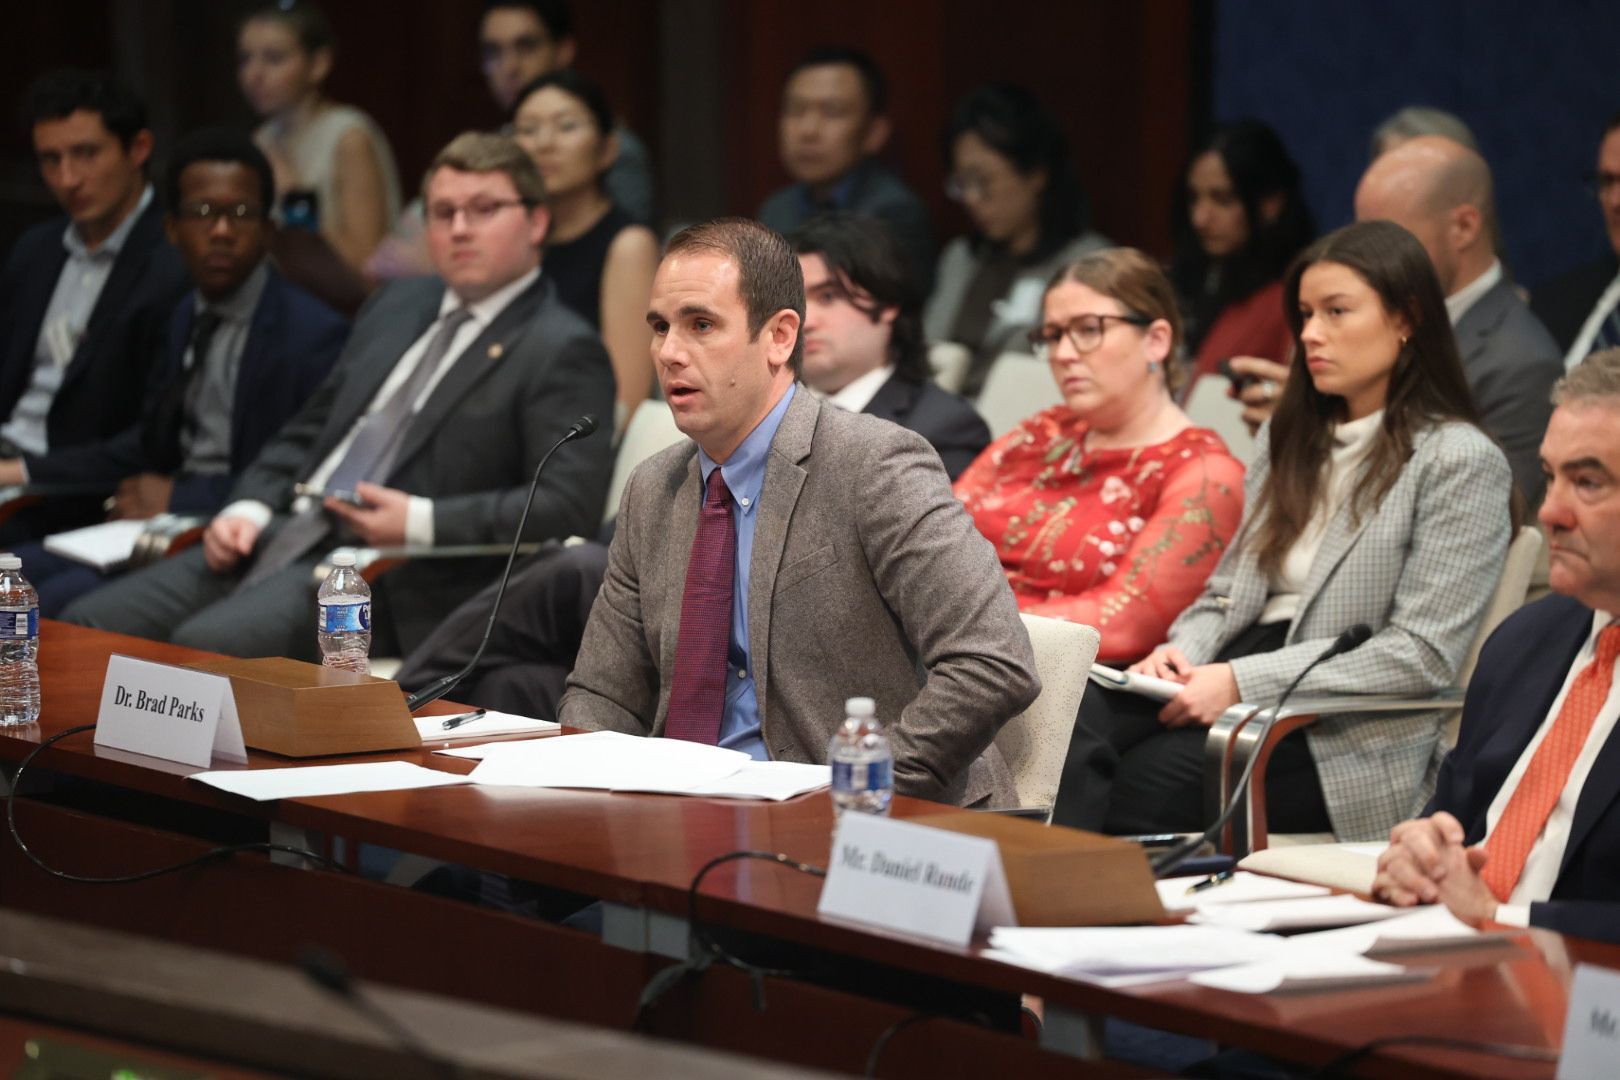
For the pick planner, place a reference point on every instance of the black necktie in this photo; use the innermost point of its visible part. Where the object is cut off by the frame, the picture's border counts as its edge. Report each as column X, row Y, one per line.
column 175, row 414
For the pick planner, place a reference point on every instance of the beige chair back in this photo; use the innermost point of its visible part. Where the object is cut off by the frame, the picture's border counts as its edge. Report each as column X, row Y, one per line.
column 651, row 429
column 1017, row 386
column 1210, row 406
column 1511, row 590
column 1035, row 742
column 949, row 360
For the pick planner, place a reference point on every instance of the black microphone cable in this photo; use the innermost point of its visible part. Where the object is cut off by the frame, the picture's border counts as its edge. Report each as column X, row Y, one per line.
column 1351, row 638
column 212, row 855
column 436, row 689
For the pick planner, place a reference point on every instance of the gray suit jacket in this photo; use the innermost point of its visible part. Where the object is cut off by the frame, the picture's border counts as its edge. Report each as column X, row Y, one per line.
column 1511, row 363
column 472, row 448
column 1420, row 571
column 868, row 578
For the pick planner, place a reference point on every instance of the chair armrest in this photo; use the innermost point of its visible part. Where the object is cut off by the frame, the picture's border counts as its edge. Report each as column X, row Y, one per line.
column 1234, row 739
column 373, row 562
column 14, row 498
column 166, row 535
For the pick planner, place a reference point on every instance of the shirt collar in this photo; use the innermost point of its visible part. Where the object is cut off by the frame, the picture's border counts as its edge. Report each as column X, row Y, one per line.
column 484, row 311
column 841, row 194
column 1351, row 434
column 240, row 305
column 114, row 243
column 860, row 391
column 1458, row 303
column 745, row 469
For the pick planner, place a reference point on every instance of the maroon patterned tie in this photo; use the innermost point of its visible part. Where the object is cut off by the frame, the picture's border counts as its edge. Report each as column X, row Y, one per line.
column 698, row 695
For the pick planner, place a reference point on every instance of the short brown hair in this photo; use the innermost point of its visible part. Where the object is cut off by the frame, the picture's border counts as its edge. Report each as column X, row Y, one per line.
column 1135, row 280
column 1596, row 377
column 768, row 274
column 481, row 152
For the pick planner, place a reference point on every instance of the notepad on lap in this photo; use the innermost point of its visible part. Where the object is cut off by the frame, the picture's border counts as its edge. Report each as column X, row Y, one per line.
column 1146, row 685
column 108, row 546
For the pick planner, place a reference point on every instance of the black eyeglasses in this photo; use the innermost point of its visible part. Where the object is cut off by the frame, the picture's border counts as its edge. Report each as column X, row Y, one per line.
column 210, row 212
column 1085, row 332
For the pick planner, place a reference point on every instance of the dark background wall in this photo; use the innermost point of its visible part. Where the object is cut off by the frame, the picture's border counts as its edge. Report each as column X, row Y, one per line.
column 1535, row 81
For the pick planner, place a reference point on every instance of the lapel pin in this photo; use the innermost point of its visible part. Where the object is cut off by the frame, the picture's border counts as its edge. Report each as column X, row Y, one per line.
column 495, row 351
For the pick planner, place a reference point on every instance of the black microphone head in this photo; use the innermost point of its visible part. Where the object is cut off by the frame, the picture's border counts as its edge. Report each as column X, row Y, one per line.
column 584, row 426
column 326, row 969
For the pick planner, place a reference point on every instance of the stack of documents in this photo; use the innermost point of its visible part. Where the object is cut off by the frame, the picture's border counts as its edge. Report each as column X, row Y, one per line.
column 1128, row 955
column 1308, row 913
column 612, row 761
column 431, row 728
column 1177, row 894
column 1342, row 866
column 302, row 782
column 1414, row 930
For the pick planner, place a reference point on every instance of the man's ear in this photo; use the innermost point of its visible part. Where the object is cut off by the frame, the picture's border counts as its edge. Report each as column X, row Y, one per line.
column 782, row 333
column 1465, row 227
column 539, row 225
column 140, row 148
column 886, row 316
column 877, row 135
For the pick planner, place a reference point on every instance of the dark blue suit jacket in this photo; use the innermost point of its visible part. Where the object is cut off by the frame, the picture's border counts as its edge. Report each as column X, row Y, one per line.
column 291, row 345
column 105, row 383
column 1520, row 672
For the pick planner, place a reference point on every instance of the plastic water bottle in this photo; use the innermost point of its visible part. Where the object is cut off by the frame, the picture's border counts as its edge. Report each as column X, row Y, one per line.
column 344, row 625
column 862, row 763
column 19, row 645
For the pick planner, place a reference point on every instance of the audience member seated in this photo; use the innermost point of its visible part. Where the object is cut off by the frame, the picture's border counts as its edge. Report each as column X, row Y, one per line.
column 1010, row 168
column 333, row 153
column 1240, row 221
column 1375, row 499
column 1582, row 307
column 1416, row 120
column 1441, row 192
column 445, row 397
column 519, row 41
column 85, row 299
column 863, row 350
column 834, row 122
column 599, row 259
column 1524, row 827
column 246, row 349
column 1110, row 509
column 863, row 571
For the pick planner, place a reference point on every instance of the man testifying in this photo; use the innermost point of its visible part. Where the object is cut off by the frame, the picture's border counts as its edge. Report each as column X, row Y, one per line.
column 447, row 394
column 796, row 556
column 1524, row 826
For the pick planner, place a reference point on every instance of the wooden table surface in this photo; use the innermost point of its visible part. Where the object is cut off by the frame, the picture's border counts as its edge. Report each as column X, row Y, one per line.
column 642, row 850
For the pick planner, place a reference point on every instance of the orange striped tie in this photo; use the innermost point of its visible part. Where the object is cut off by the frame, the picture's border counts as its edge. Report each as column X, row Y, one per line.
column 1543, row 782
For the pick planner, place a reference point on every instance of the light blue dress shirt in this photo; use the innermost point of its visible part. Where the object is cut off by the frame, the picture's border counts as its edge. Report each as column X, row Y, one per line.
column 745, row 477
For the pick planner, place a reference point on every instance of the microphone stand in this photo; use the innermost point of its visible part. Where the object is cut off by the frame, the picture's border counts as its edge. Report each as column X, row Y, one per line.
column 436, row 689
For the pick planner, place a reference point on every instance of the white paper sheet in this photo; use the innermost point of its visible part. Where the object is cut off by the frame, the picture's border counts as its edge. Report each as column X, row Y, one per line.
column 1342, row 866
column 607, row 760
column 302, row 782
column 1309, row 913
column 431, row 728
column 1416, row 928
column 773, row 780
column 1146, row 685
column 1135, row 953
column 106, row 546
column 1241, row 888
column 1307, row 970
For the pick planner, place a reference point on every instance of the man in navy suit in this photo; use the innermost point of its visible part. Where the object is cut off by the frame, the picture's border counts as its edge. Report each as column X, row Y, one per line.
column 1540, row 715
column 246, row 350
column 85, row 299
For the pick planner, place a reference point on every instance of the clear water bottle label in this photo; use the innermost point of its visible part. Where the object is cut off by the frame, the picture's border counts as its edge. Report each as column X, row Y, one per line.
column 19, row 623
column 862, row 775
column 346, row 618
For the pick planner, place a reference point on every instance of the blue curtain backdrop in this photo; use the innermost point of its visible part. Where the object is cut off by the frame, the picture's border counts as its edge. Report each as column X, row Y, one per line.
column 1536, row 82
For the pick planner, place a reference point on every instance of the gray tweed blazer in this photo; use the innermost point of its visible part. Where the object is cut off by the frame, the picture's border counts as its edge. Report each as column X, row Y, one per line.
column 868, row 578
column 1420, row 571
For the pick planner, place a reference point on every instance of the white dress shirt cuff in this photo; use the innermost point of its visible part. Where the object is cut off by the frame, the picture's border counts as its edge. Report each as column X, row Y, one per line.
column 419, row 522
column 252, row 509
column 1512, row 914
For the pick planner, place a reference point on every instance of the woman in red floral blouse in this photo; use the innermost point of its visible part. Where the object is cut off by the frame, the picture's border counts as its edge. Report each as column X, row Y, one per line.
column 1112, row 508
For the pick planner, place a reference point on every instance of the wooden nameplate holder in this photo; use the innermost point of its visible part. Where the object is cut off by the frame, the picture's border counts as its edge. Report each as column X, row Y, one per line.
column 301, row 710
column 1064, row 877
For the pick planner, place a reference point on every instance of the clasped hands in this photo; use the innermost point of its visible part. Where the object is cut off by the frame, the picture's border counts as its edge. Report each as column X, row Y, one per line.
column 379, row 523
column 1208, row 690
column 1427, row 863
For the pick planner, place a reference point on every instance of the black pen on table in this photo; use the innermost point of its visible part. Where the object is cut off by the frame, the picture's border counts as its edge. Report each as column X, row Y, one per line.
column 1210, row 882
column 466, row 717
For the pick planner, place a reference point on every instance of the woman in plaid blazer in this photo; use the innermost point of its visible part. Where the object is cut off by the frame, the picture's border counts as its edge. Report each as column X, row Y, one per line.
column 1375, row 499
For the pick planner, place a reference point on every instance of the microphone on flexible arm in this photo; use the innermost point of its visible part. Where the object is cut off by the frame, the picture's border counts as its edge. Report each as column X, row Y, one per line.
column 1350, row 639
column 436, row 689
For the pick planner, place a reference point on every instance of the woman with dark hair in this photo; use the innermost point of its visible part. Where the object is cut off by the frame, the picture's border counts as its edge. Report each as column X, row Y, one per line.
column 600, row 260
column 1010, row 168
column 1112, row 508
column 1375, row 499
column 1240, row 220
column 335, row 152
